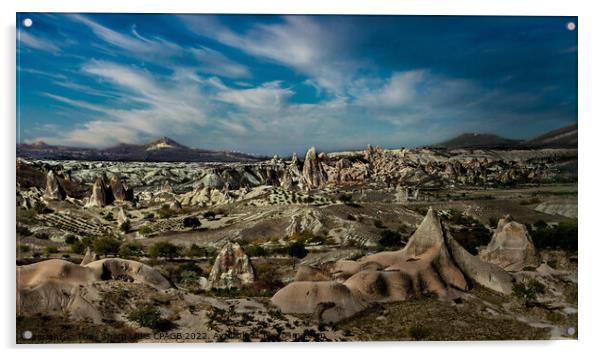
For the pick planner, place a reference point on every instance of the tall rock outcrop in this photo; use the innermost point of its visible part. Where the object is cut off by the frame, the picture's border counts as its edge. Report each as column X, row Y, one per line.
column 314, row 174
column 120, row 190
column 232, row 268
column 511, row 247
column 54, row 189
column 101, row 194
column 89, row 257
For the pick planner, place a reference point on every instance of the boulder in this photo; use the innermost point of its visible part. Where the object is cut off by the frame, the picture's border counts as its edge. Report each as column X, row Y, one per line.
column 54, row 189
column 511, row 247
column 231, row 269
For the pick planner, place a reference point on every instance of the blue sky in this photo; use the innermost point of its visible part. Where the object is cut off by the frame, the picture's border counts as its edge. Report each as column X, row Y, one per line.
column 277, row 84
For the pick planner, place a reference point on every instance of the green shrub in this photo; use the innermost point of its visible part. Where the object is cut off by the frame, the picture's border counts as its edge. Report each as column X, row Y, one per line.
column 125, row 226
column 145, row 230
column 24, row 248
column 189, row 277
column 255, row 250
column 389, row 238
column 165, row 212
column 563, row 236
column 106, row 246
column 77, row 247
column 50, row 250
column 70, row 239
column 191, row 222
column 164, row 250
column 209, row 215
column 419, row 332
column 42, row 235
column 149, row 216
column 41, row 208
column 145, row 315
column 195, row 251
column 528, row 291
column 297, row 250
column 379, row 224
column 23, row 230
column 131, row 249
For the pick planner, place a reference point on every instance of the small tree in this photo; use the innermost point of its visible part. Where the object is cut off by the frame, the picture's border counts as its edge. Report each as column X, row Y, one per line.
column 125, row 226
column 296, row 250
column 131, row 249
column 389, row 238
column 209, row 215
column 192, row 222
column 164, row 250
column 106, row 246
column 50, row 250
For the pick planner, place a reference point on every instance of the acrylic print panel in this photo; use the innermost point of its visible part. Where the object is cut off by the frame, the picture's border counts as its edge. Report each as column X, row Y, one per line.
column 160, row 196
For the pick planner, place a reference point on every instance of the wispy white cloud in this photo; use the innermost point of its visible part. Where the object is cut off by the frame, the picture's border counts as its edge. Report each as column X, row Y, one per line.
column 32, row 41
column 297, row 42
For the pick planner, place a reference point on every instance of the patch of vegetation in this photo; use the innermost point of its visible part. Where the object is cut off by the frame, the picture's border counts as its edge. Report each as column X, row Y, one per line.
column 493, row 222
column 528, row 291
column 23, row 230
column 165, row 212
column 255, row 250
column 125, row 226
column 106, row 246
column 191, row 222
column 131, row 249
column 419, row 332
column 197, row 251
column 149, row 316
column 379, row 224
column 50, row 250
column 164, row 250
column 389, row 239
column 210, row 215
column 24, row 248
column 42, row 235
column 41, row 208
column 145, row 230
column 60, row 329
column 530, row 201
column 70, row 239
column 564, row 236
column 471, row 238
column 297, row 250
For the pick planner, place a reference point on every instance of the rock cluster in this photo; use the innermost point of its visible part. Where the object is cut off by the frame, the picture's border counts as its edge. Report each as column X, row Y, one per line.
column 232, row 269
column 431, row 262
column 105, row 192
column 60, row 287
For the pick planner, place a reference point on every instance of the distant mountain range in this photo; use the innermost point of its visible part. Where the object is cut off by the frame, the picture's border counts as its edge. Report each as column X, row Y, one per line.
column 163, row 149
column 565, row 137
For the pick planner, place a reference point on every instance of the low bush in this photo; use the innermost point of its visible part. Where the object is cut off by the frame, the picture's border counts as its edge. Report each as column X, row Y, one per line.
column 106, row 246
column 389, row 238
column 164, row 250
column 563, row 236
column 131, row 249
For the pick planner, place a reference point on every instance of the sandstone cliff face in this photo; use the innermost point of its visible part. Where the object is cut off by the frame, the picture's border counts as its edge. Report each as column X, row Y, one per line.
column 232, row 269
column 511, row 247
column 314, row 175
column 54, row 189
